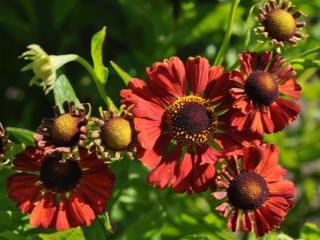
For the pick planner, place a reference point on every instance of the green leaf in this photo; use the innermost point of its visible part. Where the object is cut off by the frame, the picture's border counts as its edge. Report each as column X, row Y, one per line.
column 309, row 232
column 8, row 235
column 97, row 55
column 63, row 91
column 94, row 231
column 71, row 234
column 124, row 75
column 21, row 135
column 300, row 64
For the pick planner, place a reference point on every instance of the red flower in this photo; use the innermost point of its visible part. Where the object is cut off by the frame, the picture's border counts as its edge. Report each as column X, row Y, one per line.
column 60, row 193
column 177, row 129
column 261, row 92
column 256, row 188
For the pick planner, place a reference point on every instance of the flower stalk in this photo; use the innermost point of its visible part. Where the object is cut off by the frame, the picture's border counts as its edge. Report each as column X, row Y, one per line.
column 226, row 40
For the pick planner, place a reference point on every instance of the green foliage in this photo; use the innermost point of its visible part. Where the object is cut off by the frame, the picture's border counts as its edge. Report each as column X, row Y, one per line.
column 72, row 234
column 309, row 232
column 97, row 55
column 63, row 91
column 141, row 32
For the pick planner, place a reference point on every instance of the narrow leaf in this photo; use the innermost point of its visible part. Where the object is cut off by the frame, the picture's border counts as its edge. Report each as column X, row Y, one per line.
column 97, row 55
column 124, row 75
column 63, row 91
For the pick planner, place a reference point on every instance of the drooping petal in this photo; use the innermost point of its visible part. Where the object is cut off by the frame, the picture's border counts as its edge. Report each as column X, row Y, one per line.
column 261, row 226
column 44, row 212
column 79, row 211
column 233, row 220
column 62, row 222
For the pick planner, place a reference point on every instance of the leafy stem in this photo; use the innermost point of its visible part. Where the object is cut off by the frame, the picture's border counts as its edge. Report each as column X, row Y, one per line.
column 227, row 36
column 98, row 83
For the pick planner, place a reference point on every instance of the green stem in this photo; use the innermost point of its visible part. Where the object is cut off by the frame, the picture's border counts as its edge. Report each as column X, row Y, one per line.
column 226, row 40
column 306, row 53
column 99, row 85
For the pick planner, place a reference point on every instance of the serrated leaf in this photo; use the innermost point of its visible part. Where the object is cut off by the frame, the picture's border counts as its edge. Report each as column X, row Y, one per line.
column 309, row 232
column 63, row 91
column 21, row 135
column 122, row 74
column 97, row 55
column 71, row 234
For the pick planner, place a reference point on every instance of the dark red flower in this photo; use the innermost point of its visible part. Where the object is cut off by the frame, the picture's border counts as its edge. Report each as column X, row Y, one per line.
column 178, row 118
column 60, row 193
column 256, row 195
column 261, row 91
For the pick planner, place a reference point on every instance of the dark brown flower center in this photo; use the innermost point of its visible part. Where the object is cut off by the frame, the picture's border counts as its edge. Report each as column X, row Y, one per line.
column 248, row 191
column 191, row 120
column 66, row 130
column 262, row 88
column 116, row 133
column 58, row 175
column 280, row 25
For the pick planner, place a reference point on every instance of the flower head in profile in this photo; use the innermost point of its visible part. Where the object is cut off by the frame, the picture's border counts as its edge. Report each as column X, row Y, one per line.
column 112, row 134
column 60, row 192
column 178, row 117
column 278, row 21
column 65, row 130
column 44, row 66
column 264, row 92
column 4, row 142
column 256, row 196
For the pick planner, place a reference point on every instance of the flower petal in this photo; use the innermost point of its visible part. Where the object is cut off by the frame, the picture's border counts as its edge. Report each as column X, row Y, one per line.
column 197, row 74
column 152, row 157
column 22, row 188
column 44, row 212
column 148, row 132
column 167, row 79
column 291, row 88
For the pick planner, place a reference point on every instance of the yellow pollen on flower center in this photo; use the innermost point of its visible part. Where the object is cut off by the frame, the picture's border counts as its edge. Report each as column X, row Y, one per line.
column 191, row 120
column 116, row 133
column 65, row 129
column 280, row 24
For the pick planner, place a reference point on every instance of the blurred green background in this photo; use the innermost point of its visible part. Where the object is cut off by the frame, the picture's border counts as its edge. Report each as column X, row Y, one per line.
column 141, row 32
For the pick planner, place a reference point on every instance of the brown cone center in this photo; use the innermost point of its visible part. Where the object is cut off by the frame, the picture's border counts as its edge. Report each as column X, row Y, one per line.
column 60, row 176
column 248, row 191
column 262, row 88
